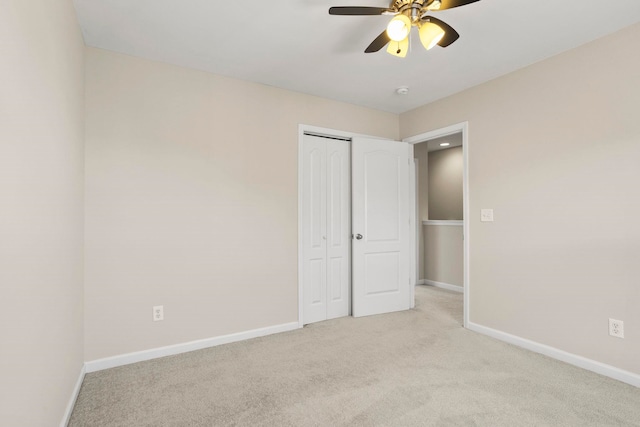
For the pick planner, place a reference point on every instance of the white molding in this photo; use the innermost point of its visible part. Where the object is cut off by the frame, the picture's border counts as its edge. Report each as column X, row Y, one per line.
column 418, row 225
column 74, row 396
column 442, row 285
column 438, row 133
column 301, row 130
column 570, row 358
column 413, row 227
column 450, row 223
column 320, row 131
column 155, row 353
column 466, row 233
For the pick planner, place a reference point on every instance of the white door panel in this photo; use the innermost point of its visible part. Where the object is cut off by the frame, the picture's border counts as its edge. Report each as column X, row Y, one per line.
column 326, row 225
column 339, row 229
column 314, row 230
column 382, row 206
column 381, row 258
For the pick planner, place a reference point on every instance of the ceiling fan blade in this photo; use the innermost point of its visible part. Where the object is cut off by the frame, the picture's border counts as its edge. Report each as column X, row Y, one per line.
column 357, row 10
column 450, row 4
column 378, row 43
column 450, row 35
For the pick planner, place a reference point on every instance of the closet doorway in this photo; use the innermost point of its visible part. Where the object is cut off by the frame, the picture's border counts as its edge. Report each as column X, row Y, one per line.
column 354, row 231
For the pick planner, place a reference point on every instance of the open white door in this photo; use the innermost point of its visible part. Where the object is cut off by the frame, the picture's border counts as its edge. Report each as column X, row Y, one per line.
column 381, row 226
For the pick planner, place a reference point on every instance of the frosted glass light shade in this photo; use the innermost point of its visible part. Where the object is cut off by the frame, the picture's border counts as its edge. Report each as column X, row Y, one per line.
column 399, row 27
column 430, row 34
column 398, row 48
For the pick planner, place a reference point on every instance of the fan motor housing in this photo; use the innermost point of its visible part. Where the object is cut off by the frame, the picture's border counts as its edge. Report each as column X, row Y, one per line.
column 404, row 4
column 411, row 8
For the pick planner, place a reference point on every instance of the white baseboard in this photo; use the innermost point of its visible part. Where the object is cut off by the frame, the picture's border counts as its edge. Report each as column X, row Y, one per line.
column 447, row 286
column 154, row 353
column 72, row 401
column 420, row 282
column 570, row 358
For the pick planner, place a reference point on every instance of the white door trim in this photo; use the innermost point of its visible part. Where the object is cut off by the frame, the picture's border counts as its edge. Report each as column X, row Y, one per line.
column 413, row 218
column 438, row 133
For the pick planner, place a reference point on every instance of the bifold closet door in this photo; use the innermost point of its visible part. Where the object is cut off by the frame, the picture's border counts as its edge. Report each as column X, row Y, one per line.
column 326, row 225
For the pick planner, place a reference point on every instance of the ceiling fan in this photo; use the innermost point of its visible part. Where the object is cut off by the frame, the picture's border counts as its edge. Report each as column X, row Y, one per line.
column 407, row 14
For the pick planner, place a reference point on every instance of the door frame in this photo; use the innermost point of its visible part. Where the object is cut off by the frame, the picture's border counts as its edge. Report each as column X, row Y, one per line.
column 427, row 136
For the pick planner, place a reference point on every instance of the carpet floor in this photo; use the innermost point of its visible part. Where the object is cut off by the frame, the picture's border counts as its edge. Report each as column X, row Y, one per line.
column 412, row 368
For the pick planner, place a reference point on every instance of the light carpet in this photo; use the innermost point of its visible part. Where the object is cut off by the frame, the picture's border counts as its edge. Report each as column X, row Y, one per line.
column 412, row 368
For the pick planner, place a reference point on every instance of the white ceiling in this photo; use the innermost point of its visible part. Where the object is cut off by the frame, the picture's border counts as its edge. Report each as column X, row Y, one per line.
column 297, row 45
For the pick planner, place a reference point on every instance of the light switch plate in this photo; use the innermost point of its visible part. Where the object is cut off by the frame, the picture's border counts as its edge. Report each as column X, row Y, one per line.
column 486, row 215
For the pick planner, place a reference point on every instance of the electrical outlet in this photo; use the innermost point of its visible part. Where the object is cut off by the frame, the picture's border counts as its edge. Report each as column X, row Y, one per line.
column 616, row 328
column 158, row 313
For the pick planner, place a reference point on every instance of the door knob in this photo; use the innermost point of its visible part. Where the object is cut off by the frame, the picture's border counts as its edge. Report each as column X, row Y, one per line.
column 359, row 236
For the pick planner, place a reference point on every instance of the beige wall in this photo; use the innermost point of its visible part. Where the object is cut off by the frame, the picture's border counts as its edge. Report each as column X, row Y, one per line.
column 444, row 254
column 445, row 184
column 554, row 149
column 191, row 201
column 41, row 168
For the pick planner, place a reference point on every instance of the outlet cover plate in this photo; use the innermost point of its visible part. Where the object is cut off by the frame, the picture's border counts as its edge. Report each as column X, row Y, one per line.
column 158, row 313
column 616, row 328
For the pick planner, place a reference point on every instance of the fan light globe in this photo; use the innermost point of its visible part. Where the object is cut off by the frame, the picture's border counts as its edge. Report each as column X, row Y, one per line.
column 430, row 34
column 399, row 27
